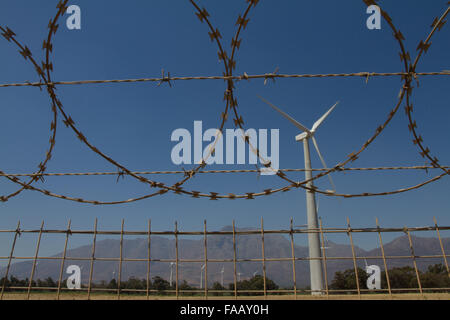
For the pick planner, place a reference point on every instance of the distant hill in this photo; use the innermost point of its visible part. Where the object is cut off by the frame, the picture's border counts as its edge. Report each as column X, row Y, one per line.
column 221, row 247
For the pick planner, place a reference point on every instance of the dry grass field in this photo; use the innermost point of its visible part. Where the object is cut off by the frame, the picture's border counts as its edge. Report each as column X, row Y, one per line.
column 103, row 296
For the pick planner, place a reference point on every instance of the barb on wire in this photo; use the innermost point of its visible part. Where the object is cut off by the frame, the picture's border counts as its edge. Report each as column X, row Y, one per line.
column 271, row 76
column 165, row 79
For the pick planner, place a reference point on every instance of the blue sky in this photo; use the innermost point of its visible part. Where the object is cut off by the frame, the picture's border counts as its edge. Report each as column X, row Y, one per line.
column 133, row 122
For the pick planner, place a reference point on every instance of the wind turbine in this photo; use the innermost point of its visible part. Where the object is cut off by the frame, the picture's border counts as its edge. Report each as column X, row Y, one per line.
column 315, row 263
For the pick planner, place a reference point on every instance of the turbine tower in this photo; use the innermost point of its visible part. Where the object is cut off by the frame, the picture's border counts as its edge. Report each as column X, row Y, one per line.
column 315, row 264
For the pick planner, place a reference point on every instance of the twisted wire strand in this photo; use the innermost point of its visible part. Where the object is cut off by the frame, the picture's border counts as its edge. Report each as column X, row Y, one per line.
column 422, row 168
column 245, row 76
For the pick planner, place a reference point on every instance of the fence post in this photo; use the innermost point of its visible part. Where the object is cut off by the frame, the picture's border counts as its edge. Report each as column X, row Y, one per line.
column 149, row 257
column 349, row 232
column 176, row 260
column 234, row 260
column 442, row 246
column 325, row 271
column 264, row 258
column 5, row 279
column 35, row 261
column 293, row 258
column 120, row 261
column 413, row 256
column 384, row 259
column 91, row 271
column 206, row 261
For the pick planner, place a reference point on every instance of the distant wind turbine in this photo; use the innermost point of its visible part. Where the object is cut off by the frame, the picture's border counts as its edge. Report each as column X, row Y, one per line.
column 317, row 284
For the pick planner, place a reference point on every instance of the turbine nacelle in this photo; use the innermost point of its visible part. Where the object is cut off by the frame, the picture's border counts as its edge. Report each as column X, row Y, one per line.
column 303, row 136
column 307, row 133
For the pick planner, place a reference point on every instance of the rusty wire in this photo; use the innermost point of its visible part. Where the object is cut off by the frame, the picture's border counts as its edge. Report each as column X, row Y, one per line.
column 10, row 36
column 423, row 48
column 44, row 73
column 90, row 288
column 245, row 76
column 75, row 174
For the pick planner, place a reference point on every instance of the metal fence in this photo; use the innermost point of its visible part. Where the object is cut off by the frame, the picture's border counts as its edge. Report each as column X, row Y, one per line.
column 90, row 288
column 409, row 74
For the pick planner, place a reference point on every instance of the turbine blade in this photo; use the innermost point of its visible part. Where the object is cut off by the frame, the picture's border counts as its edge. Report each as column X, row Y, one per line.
column 292, row 120
column 323, row 162
column 319, row 122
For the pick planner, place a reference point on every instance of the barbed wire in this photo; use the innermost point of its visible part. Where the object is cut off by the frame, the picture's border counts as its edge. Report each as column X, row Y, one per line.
column 423, row 168
column 423, row 47
column 245, row 76
column 10, row 36
column 231, row 104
